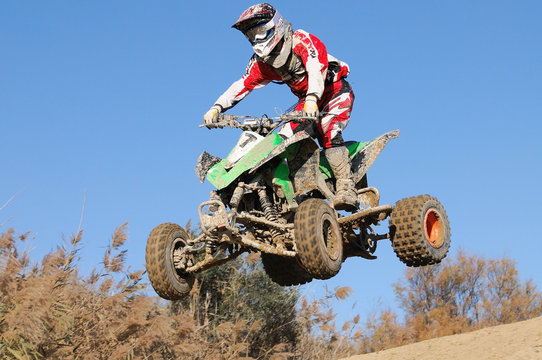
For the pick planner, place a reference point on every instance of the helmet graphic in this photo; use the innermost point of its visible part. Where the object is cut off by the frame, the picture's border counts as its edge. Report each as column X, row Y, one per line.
column 264, row 27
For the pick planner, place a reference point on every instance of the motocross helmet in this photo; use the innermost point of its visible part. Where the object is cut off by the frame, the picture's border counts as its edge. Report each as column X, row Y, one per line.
column 264, row 27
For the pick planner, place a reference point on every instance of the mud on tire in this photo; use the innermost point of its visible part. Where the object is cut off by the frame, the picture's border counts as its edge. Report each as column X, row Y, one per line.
column 318, row 238
column 420, row 231
column 168, row 282
column 284, row 271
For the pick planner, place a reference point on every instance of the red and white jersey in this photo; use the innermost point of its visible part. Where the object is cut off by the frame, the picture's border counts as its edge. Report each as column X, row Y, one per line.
column 308, row 70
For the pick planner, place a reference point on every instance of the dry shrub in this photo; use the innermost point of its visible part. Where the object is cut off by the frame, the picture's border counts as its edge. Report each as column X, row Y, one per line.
column 49, row 310
column 243, row 310
column 319, row 337
column 458, row 295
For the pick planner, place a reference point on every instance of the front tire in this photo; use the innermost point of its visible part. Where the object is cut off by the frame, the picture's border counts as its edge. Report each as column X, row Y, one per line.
column 168, row 282
column 420, row 231
column 318, row 238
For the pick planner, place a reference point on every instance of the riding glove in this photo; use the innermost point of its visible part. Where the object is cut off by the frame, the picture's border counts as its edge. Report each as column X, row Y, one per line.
column 211, row 115
column 311, row 107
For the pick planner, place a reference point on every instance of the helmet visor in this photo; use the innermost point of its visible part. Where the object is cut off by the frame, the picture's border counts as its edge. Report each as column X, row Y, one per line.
column 260, row 33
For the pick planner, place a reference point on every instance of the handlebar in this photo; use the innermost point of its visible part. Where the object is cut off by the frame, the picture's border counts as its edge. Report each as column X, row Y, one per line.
column 262, row 124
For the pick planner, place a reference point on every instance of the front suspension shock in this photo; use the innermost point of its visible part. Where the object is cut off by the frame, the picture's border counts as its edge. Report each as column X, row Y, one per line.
column 270, row 213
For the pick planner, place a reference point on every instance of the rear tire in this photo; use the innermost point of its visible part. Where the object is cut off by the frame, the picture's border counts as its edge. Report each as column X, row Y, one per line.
column 168, row 282
column 318, row 238
column 284, row 271
column 420, row 231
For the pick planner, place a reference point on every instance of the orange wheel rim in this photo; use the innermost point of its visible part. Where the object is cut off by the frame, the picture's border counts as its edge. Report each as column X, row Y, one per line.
column 434, row 231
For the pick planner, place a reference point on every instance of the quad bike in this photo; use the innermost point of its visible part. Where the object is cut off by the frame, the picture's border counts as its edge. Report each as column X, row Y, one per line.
column 273, row 196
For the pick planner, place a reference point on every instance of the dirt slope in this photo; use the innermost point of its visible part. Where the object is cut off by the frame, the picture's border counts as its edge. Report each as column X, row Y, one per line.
column 521, row 340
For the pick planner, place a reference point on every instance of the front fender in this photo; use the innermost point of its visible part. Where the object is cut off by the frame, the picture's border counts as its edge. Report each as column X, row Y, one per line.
column 280, row 149
column 221, row 176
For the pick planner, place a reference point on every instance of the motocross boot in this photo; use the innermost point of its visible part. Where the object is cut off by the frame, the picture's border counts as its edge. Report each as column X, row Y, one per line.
column 345, row 195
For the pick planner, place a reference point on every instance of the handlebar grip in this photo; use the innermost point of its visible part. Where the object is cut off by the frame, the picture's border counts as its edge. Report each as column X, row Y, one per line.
column 222, row 123
column 226, row 117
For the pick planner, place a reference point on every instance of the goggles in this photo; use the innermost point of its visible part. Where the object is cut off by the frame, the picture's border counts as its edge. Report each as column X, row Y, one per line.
column 260, row 33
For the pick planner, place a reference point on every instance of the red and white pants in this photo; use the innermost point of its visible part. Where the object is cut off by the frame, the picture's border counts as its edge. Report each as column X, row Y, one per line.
column 335, row 107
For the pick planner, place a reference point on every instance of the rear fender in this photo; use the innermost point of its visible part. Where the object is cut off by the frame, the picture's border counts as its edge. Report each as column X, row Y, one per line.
column 353, row 148
column 365, row 157
column 362, row 155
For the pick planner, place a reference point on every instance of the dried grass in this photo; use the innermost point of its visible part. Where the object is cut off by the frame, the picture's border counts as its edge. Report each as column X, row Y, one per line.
column 49, row 310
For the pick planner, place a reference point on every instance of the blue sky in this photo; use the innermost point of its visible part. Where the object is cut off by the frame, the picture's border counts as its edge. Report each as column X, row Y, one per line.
column 105, row 98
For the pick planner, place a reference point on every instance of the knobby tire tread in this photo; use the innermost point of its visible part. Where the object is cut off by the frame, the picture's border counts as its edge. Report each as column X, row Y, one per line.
column 408, row 238
column 308, row 241
column 155, row 259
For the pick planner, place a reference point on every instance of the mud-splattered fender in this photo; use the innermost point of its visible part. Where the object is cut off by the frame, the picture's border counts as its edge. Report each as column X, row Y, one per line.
column 363, row 160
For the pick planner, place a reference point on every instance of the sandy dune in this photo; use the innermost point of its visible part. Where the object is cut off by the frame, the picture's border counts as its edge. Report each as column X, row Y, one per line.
column 521, row 340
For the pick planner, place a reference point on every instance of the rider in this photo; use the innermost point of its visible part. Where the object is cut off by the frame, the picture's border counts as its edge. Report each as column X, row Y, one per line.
column 300, row 60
